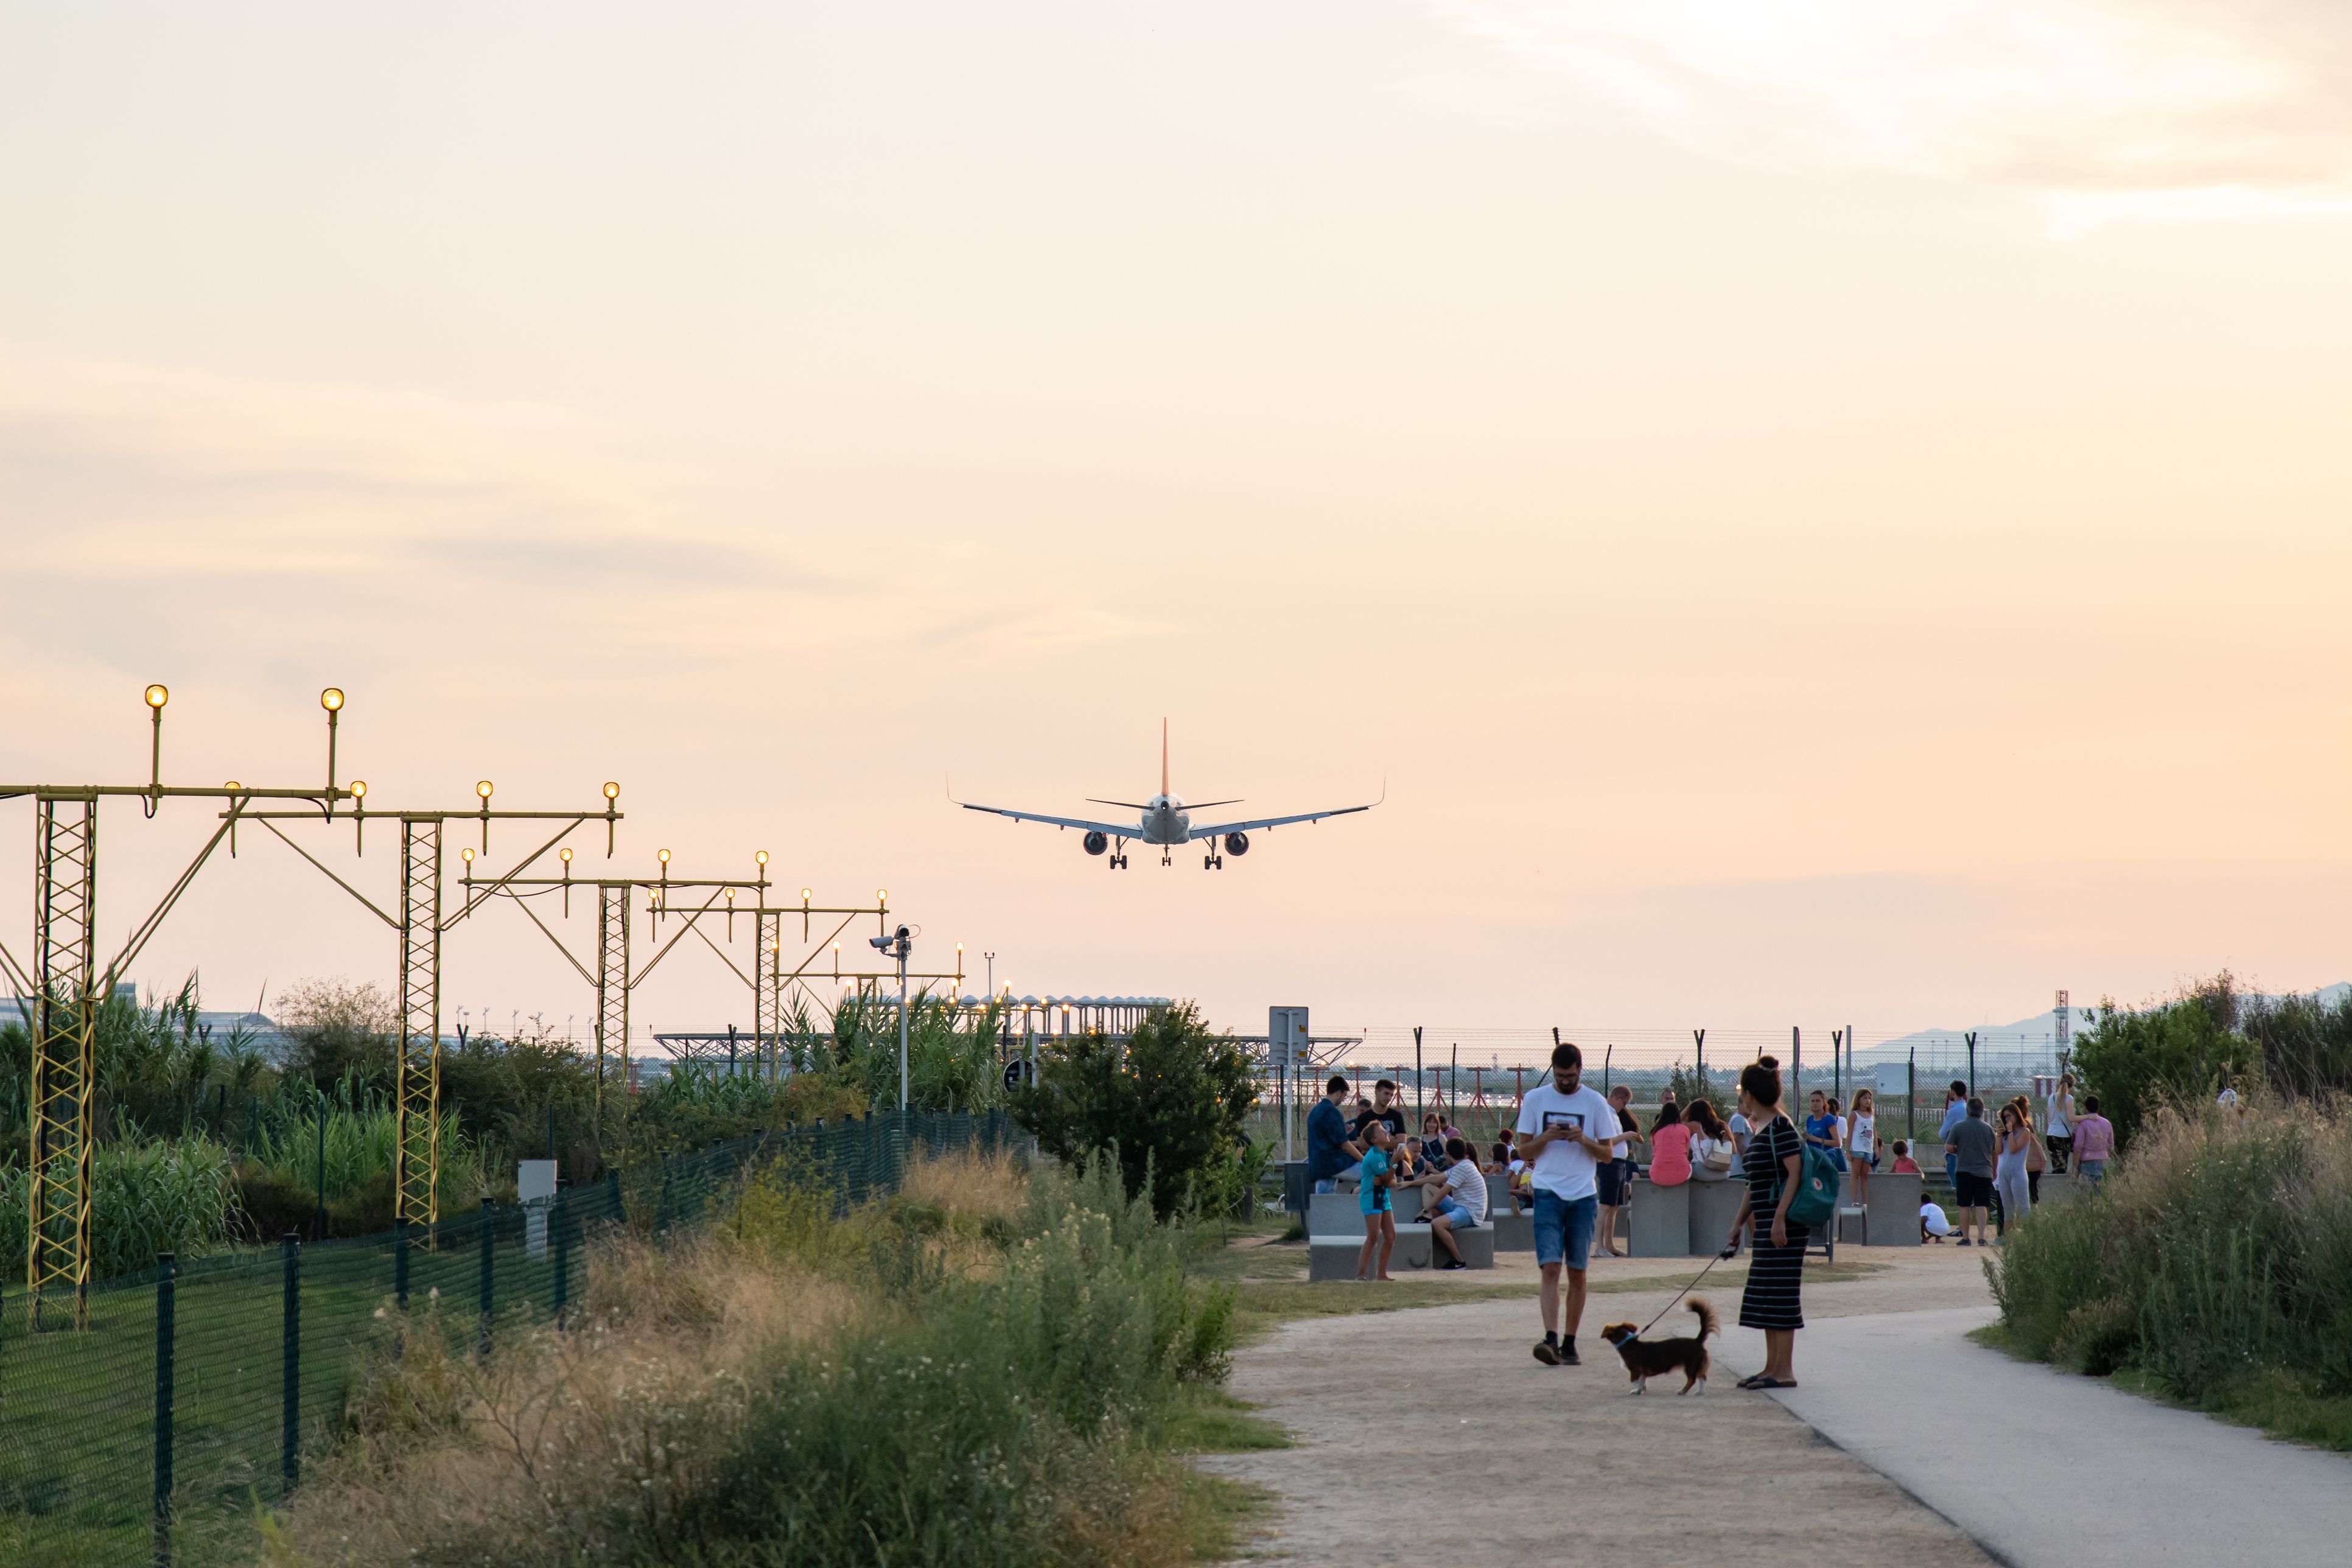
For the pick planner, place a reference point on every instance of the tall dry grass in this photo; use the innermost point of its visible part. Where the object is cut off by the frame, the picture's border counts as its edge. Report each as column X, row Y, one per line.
column 961, row 1374
column 2217, row 1256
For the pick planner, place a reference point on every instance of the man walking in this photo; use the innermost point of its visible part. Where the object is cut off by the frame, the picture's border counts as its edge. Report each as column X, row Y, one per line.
column 1956, row 1111
column 1565, row 1132
column 1331, row 1153
column 1974, row 1148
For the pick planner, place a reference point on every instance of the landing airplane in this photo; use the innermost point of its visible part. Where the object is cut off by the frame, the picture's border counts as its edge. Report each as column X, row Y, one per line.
column 1165, row 822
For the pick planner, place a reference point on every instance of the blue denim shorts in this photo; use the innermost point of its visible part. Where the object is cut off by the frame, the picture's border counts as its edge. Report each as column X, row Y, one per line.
column 1564, row 1228
column 1455, row 1215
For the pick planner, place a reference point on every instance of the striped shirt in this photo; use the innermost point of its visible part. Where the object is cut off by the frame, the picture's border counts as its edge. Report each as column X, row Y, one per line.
column 1776, row 1140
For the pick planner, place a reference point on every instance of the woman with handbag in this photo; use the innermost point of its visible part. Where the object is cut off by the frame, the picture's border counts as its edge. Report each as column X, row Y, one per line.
column 1776, row 1268
column 1711, row 1153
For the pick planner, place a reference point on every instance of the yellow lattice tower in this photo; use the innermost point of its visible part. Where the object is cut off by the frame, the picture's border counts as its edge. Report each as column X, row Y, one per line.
column 64, row 1053
column 416, row 1157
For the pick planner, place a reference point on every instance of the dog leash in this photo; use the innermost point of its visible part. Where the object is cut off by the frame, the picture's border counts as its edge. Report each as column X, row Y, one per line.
column 1684, row 1292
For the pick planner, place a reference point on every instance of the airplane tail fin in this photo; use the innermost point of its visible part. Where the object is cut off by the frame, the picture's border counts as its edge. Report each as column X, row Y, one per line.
column 1163, row 756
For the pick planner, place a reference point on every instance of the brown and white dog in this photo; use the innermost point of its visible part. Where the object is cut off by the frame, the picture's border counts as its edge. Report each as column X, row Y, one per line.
column 1646, row 1359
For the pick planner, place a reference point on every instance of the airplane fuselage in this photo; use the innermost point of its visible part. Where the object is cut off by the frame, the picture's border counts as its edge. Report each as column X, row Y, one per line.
column 1165, row 821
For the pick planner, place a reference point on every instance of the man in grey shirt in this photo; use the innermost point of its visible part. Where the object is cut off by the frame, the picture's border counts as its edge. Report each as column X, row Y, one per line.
column 1973, row 1145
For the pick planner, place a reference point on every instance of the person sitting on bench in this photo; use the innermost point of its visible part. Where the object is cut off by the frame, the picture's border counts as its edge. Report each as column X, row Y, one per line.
column 1461, row 1201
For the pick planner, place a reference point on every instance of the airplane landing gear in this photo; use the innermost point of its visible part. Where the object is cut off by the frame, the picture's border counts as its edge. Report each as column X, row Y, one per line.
column 1213, row 862
column 1166, row 858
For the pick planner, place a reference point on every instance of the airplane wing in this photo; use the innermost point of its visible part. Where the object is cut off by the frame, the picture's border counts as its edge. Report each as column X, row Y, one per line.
column 1253, row 826
column 1116, row 829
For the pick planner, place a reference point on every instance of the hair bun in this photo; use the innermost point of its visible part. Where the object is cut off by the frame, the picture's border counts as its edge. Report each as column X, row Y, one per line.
column 1769, row 1064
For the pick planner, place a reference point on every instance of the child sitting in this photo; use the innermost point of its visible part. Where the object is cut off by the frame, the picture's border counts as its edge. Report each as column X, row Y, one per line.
column 1904, row 1165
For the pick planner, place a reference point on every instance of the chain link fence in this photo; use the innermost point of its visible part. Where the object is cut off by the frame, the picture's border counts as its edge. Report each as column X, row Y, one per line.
column 195, row 1390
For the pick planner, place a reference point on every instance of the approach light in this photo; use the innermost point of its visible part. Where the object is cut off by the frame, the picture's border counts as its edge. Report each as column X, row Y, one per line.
column 232, row 785
column 157, row 696
column 467, row 853
column 483, row 789
column 882, row 897
column 566, row 853
column 761, row 856
column 358, row 789
column 331, row 698
column 662, row 855
column 612, row 790
column 804, row 895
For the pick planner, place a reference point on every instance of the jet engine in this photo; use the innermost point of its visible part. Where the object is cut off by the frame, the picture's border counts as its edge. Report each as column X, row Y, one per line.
column 1097, row 842
column 1236, row 843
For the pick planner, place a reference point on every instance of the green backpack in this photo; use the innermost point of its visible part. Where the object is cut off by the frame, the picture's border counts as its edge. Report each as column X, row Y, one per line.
column 1816, row 1204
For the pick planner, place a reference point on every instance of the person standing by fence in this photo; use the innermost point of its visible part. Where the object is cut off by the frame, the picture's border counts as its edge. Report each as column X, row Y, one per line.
column 1862, row 1142
column 1971, row 1147
column 2009, row 1179
column 2094, row 1143
column 2059, row 1127
column 1773, row 1300
column 1956, row 1111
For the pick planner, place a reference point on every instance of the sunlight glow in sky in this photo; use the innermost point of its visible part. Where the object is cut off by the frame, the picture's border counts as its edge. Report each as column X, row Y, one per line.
column 1817, row 513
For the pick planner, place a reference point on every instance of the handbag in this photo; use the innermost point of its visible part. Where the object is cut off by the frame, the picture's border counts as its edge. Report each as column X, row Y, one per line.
column 1718, row 1156
column 1816, row 1204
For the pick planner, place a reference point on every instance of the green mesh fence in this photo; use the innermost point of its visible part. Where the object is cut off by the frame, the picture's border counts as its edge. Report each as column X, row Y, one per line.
column 197, row 1388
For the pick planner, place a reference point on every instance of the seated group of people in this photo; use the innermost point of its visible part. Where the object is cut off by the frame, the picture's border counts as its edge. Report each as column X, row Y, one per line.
column 1374, row 1154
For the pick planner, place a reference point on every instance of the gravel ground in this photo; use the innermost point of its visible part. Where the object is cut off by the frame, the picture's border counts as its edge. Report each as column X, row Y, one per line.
column 1434, row 1437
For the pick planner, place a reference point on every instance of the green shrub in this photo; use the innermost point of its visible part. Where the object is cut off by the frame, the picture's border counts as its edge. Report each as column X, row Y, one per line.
column 176, row 1195
column 1170, row 1100
column 2135, row 1060
column 2216, row 1258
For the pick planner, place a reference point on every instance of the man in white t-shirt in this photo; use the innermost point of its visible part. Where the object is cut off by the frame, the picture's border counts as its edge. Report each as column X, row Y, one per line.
column 1566, row 1131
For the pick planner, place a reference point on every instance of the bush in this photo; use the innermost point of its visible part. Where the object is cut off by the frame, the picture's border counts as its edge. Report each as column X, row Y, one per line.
column 962, row 1374
column 175, row 1196
column 1170, row 1100
column 2216, row 1258
column 2135, row 1060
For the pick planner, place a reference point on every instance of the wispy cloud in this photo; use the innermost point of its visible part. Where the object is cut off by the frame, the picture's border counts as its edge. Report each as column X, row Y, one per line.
column 2166, row 109
column 358, row 515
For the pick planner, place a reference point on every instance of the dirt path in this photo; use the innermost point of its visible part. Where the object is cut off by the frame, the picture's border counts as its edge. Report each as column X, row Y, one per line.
column 1434, row 1435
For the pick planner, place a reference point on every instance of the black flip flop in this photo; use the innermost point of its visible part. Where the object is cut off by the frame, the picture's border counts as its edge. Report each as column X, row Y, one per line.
column 1760, row 1383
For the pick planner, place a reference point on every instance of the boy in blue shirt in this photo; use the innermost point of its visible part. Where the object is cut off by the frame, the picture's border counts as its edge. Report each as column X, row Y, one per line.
column 1372, row 1199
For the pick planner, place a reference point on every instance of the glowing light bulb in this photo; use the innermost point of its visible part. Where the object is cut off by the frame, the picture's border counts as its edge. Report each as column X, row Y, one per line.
column 158, row 695
column 358, row 789
column 331, row 698
column 612, row 790
column 483, row 789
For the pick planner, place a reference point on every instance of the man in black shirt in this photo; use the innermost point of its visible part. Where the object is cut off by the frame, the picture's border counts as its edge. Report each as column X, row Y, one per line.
column 1383, row 1093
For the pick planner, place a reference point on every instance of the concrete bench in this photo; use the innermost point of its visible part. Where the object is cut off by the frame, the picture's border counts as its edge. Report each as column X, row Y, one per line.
column 1895, row 1210
column 1417, row 1252
column 1713, row 1205
column 1660, row 1225
column 1341, row 1213
column 1512, row 1232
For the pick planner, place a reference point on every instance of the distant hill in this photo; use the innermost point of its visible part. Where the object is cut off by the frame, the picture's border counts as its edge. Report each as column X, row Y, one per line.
column 2035, row 1034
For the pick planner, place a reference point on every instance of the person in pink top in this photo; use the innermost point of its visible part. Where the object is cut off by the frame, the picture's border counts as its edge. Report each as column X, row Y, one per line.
column 2094, row 1143
column 1670, row 1164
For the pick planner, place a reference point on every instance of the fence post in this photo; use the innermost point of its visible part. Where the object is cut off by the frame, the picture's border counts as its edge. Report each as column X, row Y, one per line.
column 1914, row 1097
column 557, row 1215
column 167, row 1272
column 486, row 1241
column 289, row 1419
column 400, row 1264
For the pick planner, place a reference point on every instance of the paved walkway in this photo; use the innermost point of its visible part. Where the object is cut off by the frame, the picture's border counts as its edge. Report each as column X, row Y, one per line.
column 2057, row 1471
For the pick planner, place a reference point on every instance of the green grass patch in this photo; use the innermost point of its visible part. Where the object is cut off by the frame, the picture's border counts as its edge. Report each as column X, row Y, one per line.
column 1204, row 1420
column 1223, row 1515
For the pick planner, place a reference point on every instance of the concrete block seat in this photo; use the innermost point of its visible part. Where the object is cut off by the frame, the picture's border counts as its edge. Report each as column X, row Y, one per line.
column 1660, row 1225
column 1895, row 1210
column 1334, row 1258
column 1341, row 1213
column 1512, row 1232
column 1711, row 1206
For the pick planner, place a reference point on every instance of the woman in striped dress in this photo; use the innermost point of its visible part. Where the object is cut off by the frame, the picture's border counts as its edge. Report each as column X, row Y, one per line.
column 1776, row 1264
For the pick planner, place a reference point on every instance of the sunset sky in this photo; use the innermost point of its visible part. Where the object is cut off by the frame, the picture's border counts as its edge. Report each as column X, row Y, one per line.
column 1815, row 512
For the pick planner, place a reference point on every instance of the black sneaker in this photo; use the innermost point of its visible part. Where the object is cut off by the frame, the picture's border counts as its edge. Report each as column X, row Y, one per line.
column 1567, row 1356
column 1450, row 1267
column 1547, row 1354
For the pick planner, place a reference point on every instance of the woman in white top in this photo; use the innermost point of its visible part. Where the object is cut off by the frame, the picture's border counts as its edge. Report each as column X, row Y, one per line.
column 1712, row 1156
column 2058, row 1129
column 1862, row 1141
